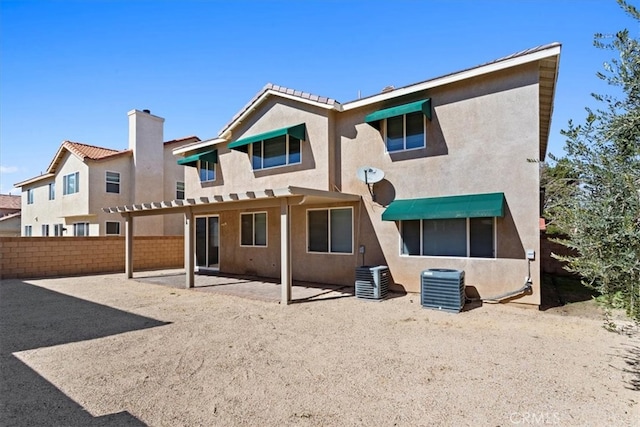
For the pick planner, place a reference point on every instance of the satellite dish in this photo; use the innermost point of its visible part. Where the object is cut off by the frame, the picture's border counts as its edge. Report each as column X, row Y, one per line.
column 369, row 174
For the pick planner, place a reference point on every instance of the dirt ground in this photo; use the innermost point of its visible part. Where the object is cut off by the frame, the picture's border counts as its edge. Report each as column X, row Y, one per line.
column 102, row 351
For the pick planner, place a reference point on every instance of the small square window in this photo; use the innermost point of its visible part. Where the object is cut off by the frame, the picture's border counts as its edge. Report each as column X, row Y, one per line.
column 179, row 190
column 113, row 182
column 330, row 230
column 113, row 228
column 81, row 229
column 253, row 229
column 406, row 132
column 207, row 171
column 71, row 183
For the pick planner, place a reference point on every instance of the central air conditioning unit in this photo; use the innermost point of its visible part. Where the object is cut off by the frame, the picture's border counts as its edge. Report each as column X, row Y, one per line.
column 443, row 289
column 372, row 282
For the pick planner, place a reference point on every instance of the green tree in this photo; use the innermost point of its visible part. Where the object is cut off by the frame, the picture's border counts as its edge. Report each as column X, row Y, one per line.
column 600, row 214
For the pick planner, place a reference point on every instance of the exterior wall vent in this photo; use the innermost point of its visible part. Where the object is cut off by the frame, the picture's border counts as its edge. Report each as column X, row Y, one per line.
column 372, row 282
column 443, row 289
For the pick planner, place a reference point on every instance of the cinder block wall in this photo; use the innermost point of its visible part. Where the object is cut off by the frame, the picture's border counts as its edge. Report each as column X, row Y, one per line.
column 30, row 257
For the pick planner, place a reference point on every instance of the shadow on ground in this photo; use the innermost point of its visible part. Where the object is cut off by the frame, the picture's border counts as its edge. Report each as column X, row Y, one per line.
column 558, row 291
column 33, row 317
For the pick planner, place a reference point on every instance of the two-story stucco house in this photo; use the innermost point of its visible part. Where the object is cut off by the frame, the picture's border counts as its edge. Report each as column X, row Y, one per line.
column 68, row 199
column 280, row 192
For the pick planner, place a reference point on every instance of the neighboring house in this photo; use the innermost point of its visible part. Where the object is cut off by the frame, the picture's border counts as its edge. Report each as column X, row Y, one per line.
column 82, row 179
column 9, row 215
column 277, row 193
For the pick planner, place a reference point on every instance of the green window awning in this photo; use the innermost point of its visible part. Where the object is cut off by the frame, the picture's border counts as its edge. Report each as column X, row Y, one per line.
column 209, row 156
column 468, row 206
column 424, row 106
column 297, row 131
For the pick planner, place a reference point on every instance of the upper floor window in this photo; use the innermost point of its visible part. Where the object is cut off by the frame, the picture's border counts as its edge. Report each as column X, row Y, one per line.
column 253, row 229
column 113, row 182
column 179, row 190
column 206, row 170
column 279, row 151
column 30, row 196
column 330, row 230
column 81, row 229
column 405, row 132
column 52, row 190
column 71, row 183
column 28, row 230
column 456, row 237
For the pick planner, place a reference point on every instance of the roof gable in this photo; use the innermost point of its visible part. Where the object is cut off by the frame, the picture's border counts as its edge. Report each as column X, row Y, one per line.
column 283, row 92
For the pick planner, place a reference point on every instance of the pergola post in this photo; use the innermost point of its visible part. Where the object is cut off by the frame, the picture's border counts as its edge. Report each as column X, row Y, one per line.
column 285, row 252
column 128, row 246
column 189, row 258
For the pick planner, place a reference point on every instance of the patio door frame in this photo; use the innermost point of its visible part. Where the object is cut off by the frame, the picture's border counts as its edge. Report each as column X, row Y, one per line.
column 207, row 244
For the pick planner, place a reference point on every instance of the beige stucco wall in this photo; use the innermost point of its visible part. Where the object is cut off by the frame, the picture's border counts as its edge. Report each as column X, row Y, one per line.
column 478, row 141
column 482, row 133
column 45, row 211
column 173, row 225
column 234, row 172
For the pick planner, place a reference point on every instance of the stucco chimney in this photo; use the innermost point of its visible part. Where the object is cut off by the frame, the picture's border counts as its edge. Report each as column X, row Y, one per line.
column 146, row 140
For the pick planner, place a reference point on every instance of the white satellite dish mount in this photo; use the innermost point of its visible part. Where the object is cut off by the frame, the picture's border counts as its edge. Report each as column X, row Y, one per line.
column 370, row 175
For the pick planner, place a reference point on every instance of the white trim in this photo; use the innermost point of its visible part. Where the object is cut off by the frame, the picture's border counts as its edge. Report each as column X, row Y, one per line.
column 329, row 252
column 202, row 144
column 455, row 77
column 253, row 222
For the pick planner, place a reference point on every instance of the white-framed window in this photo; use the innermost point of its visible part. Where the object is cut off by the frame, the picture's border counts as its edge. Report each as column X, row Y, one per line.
column 253, row 229
column 279, row 151
column 206, row 170
column 112, row 228
column 456, row 237
column 113, row 182
column 52, row 191
column 330, row 230
column 30, row 196
column 28, row 231
column 58, row 230
column 71, row 183
column 180, row 190
column 81, row 229
column 45, row 230
column 405, row 132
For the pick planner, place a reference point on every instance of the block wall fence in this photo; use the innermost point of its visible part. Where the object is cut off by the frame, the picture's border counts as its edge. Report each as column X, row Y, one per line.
column 32, row 257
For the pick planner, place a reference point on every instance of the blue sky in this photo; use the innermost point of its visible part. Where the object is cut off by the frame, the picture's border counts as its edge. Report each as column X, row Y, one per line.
column 71, row 70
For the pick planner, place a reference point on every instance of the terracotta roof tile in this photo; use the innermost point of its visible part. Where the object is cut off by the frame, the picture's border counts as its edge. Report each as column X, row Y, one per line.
column 9, row 201
column 86, row 151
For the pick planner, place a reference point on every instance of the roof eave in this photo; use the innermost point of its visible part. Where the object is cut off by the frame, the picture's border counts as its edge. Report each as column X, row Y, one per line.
column 509, row 62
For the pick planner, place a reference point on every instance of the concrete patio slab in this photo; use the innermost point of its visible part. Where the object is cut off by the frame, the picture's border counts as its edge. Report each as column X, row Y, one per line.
column 245, row 286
